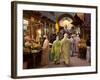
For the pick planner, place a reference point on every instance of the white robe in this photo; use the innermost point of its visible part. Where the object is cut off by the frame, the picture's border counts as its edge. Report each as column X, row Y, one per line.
column 45, row 53
column 65, row 50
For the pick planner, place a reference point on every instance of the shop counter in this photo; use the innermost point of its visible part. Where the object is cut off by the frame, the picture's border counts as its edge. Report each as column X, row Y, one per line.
column 32, row 58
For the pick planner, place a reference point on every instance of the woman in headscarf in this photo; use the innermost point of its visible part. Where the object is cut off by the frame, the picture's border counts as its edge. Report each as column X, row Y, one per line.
column 65, row 49
column 56, row 50
column 45, row 53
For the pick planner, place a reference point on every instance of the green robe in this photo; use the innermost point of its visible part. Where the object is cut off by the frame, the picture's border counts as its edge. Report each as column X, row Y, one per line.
column 65, row 50
column 56, row 49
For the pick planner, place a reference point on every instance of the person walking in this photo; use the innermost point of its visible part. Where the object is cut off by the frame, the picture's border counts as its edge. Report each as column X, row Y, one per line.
column 45, row 52
column 65, row 49
column 56, row 50
column 72, row 51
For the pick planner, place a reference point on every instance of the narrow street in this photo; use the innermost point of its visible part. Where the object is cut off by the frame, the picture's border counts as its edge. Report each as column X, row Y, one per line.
column 74, row 62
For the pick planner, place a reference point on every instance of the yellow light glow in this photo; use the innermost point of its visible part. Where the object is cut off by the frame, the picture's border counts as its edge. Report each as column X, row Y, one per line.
column 39, row 31
column 25, row 22
column 67, row 24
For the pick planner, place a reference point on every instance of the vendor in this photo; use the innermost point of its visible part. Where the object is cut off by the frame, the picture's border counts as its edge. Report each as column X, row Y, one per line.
column 82, row 49
column 27, row 43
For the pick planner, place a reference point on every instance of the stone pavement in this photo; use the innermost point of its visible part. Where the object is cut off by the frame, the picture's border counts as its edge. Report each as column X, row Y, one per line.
column 74, row 62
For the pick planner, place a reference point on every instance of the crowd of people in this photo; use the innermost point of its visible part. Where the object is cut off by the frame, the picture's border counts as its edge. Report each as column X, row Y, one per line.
column 61, row 49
